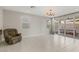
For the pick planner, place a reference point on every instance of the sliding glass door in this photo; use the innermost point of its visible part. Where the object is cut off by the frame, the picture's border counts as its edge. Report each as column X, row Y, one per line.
column 70, row 28
column 67, row 27
column 77, row 27
column 61, row 27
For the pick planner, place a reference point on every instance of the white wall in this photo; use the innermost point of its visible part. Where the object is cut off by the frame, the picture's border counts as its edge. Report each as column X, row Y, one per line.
column 1, row 23
column 1, row 18
column 11, row 20
column 14, row 20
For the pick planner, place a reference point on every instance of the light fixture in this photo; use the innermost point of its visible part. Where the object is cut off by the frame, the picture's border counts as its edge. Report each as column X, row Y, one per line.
column 50, row 12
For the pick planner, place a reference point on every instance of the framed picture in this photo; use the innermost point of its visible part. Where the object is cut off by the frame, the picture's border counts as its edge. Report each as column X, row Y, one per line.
column 25, row 23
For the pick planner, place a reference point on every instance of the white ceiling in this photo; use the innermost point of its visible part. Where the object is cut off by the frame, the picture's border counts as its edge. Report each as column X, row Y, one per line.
column 41, row 10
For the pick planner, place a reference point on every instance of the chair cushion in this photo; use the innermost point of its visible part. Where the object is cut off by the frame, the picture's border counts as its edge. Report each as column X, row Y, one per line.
column 12, row 33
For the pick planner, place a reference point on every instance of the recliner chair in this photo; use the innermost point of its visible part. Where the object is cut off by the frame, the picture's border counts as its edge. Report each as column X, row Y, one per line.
column 12, row 36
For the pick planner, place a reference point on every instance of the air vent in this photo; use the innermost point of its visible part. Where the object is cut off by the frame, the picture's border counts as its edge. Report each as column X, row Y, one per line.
column 32, row 6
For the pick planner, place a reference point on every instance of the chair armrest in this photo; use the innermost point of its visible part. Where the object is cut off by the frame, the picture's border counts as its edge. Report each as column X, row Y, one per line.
column 18, row 34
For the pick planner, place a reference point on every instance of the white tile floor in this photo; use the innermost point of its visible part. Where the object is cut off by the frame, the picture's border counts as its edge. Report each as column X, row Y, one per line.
column 46, row 43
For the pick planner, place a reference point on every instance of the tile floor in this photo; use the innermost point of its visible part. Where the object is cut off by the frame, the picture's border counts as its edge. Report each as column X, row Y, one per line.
column 46, row 43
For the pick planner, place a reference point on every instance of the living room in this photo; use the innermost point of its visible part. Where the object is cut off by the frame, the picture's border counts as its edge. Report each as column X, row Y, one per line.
column 38, row 29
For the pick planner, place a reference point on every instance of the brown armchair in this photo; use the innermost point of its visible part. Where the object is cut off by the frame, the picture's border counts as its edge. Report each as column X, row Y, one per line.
column 12, row 36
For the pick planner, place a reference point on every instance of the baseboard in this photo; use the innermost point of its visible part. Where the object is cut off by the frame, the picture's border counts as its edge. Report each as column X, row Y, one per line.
column 25, row 36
